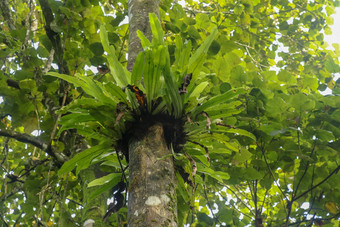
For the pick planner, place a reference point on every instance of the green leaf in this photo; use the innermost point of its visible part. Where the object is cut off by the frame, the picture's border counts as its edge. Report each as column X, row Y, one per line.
column 120, row 74
column 242, row 156
column 174, row 100
column 218, row 175
column 84, row 103
column 204, row 218
column 105, row 179
column 115, row 93
column 286, row 76
column 302, row 102
column 97, row 48
column 138, row 69
column 236, row 131
column 200, row 53
column 182, row 55
column 155, row 59
column 252, row 174
column 217, row 100
column 84, row 156
column 106, row 187
column 196, row 91
column 157, row 31
column 87, row 84
column 144, row 41
column 324, row 135
column 181, row 187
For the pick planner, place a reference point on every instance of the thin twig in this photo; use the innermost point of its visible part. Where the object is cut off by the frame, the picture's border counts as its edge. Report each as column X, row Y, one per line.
column 321, row 182
column 121, row 167
column 264, row 199
column 237, row 197
column 58, row 117
column 237, row 209
column 211, row 210
column 305, row 171
column 271, row 172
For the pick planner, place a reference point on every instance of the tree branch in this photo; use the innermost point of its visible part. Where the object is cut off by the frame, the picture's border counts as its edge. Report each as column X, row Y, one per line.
column 25, row 138
column 211, row 210
column 240, row 199
column 272, row 174
column 54, row 36
column 323, row 181
column 6, row 13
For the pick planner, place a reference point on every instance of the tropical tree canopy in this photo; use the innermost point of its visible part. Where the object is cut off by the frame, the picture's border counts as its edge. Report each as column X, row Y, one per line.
column 239, row 87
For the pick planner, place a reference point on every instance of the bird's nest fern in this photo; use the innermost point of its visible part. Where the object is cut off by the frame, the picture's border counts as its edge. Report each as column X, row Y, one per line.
column 155, row 91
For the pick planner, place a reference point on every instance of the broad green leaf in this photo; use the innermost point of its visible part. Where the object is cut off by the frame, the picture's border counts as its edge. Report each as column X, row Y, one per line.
column 105, row 187
column 200, row 53
column 144, row 41
column 302, row 102
column 76, row 118
column 115, row 93
column 218, row 175
column 217, row 100
column 84, row 103
column 252, row 174
column 324, row 135
column 87, row 84
column 171, row 85
column 182, row 55
column 235, row 131
column 70, row 79
column 120, row 74
column 105, row 179
column 181, row 188
column 196, row 91
column 242, row 156
column 138, row 69
column 155, row 59
column 157, row 31
column 83, row 156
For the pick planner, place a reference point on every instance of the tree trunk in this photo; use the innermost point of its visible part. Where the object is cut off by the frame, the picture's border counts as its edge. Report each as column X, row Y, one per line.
column 152, row 197
column 152, row 190
column 139, row 20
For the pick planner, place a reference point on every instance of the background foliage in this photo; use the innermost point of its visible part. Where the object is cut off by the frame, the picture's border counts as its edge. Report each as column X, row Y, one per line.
column 270, row 155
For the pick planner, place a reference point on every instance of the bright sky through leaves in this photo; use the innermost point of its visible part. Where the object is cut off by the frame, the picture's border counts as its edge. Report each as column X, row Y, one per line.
column 335, row 37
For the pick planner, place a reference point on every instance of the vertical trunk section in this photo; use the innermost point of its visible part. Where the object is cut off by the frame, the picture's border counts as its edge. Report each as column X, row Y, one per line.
column 139, row 20
column 152, row 197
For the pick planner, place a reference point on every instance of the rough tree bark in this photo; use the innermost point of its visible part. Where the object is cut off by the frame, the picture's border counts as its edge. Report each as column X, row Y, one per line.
column 152, row 189
column 152, row 197
column 139, row 20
